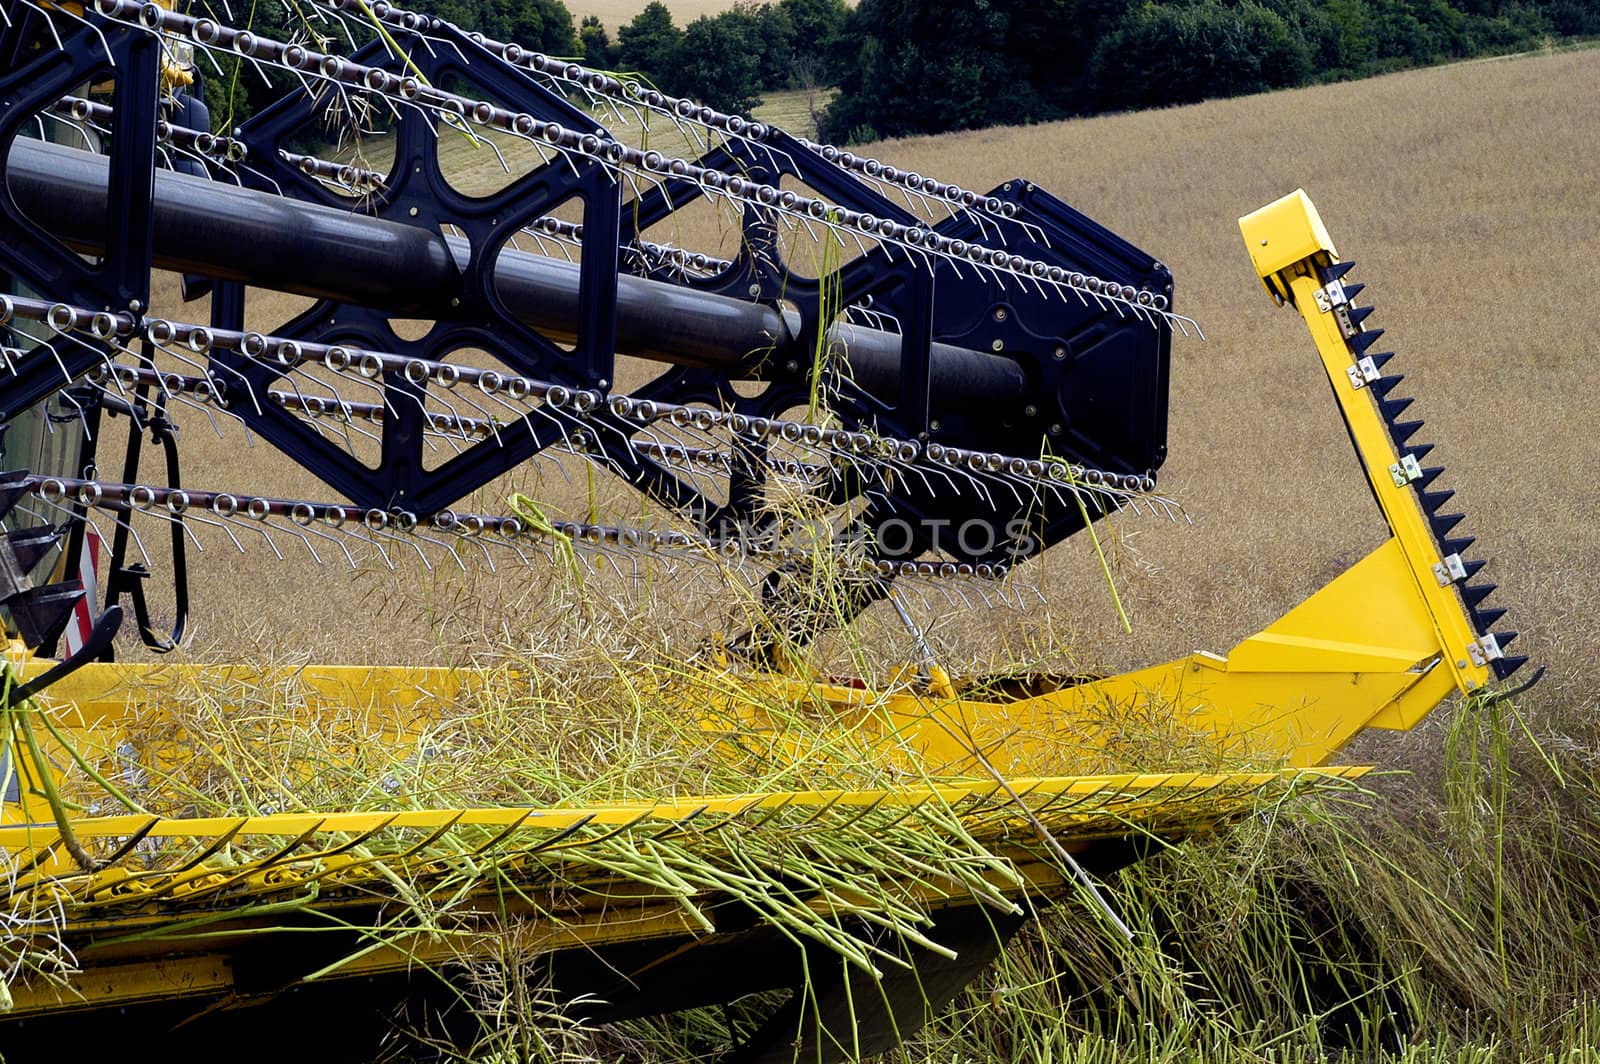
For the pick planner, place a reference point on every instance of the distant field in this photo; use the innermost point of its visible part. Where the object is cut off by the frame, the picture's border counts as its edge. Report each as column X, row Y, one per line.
column 793, row 110
column 614, row 13
column 1467, row 195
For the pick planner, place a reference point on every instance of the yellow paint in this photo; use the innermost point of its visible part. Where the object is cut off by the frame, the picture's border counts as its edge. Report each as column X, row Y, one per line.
column 1378, row 647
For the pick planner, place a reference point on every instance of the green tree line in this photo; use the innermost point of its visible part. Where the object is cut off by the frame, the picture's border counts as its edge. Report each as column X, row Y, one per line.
column 926, row 66
column 729, row 60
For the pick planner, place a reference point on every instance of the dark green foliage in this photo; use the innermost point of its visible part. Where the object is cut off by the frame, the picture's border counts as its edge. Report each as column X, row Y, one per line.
column 545, row 25
column 595, row 43
column 649, row 44
column 720, row 60
column 1574, row 17
column 774, row 38
column 820, row 48
column 924, row 67
column 728, row 60
column 1164, row 54
column 920, row 67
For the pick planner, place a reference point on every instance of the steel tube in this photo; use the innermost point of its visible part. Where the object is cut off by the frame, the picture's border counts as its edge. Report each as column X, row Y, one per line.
column 235, row 234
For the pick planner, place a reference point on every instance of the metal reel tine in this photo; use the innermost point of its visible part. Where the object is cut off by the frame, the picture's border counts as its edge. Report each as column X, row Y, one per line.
column 358, row 532
column 257, row 527
column 162, row 513
column 443, row 545
column 297, row 534
column 409, row 540
column 309, row 528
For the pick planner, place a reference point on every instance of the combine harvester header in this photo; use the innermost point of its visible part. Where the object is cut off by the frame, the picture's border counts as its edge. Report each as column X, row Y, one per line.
column 951, row 381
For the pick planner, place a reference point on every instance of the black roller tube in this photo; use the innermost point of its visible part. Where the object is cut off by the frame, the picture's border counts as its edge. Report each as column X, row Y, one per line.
column 235, row 234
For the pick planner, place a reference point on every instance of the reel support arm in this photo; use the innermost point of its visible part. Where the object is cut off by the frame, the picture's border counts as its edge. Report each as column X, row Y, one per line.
column 1379, row 647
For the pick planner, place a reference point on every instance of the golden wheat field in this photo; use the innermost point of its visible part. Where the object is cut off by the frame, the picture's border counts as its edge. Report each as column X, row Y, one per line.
column 1470, row 199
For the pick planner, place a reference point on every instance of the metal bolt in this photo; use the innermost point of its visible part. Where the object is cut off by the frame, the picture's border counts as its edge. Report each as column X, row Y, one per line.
column 413, row 212
column 791, row 366
column 934, row 426
column 999, row 313
column 997, row 345
column 1055, row 430
column 1059, row 354
column 755, row 290
column 1030, row 411
column 135, row 306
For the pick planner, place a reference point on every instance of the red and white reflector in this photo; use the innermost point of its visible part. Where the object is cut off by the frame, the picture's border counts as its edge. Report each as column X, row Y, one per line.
column 82, row 622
